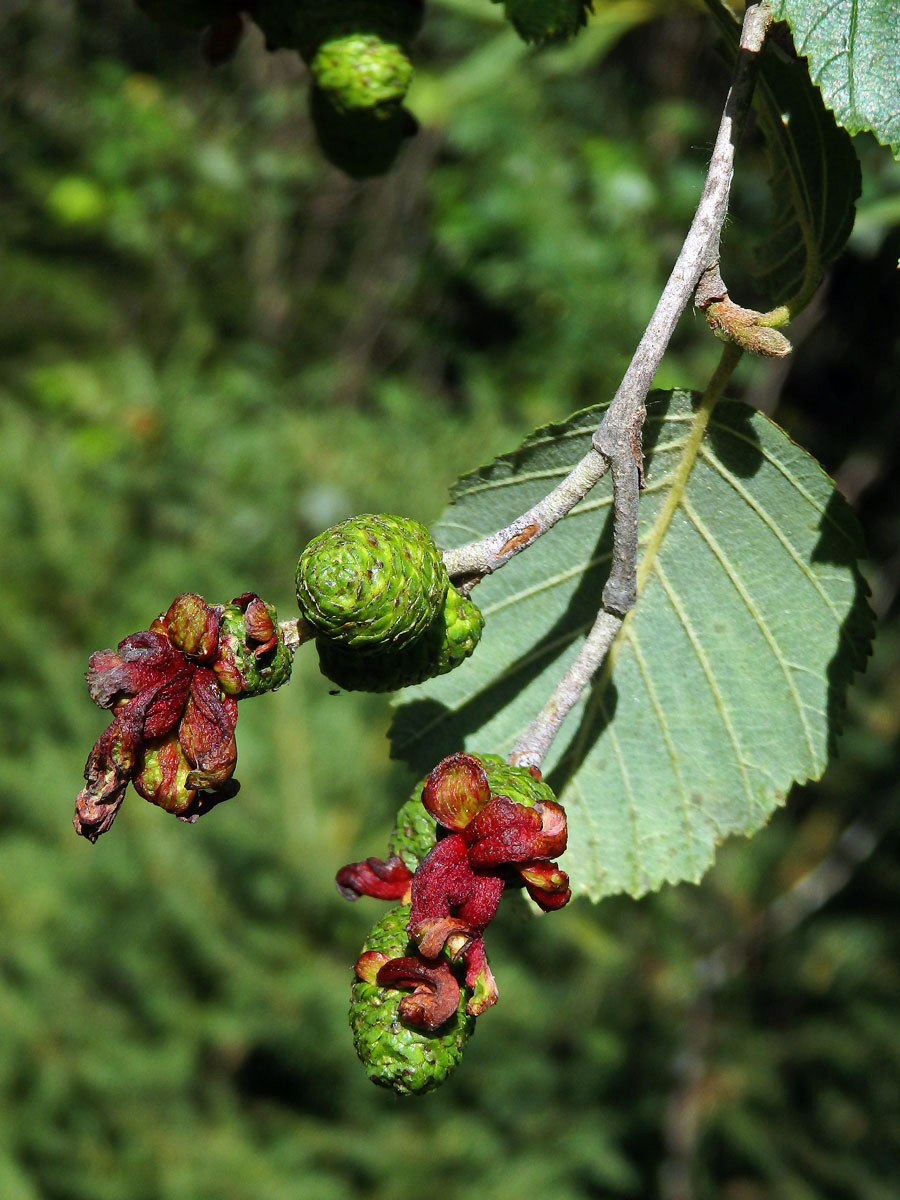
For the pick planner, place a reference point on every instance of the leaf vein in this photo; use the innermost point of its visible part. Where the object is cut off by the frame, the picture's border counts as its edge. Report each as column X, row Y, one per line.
column 770, row 524
column 788, row 475
column 629, row 634
column 721, row 707
column 761, row 623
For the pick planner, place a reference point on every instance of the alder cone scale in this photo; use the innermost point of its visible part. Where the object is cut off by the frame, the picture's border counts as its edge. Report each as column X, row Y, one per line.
column 517, row 783
column 415, row 832
column 448, row 641
column 373, row 582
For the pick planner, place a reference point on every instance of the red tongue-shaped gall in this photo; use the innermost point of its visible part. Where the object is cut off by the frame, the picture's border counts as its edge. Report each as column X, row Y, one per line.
column 107, row 772
column 507, row 832
column 258, row 623
column 456, row 790
column 158, row 705
column 435, row 997
column 207, row 732
column 162, row 775
column 442, row 883
column 546, row 884
column 387, row 879
column 141, row 661
column 193, row 626
column 480, row 978
column 451, row 903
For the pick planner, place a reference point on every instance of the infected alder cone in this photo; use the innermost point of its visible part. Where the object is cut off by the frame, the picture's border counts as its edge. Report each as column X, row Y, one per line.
column 399, row 1054
column 492, row 826
column 173, row 690
column 374, row 592
column 252, row 655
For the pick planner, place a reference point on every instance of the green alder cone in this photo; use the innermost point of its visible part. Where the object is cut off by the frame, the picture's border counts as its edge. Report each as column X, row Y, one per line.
column 398, row 1056
column 445, row 644
column 362, row 72
column 305, row 25
column 364, row 143
column 374, row 582
column 543, row 21
column 415, row 831
column 241, row 671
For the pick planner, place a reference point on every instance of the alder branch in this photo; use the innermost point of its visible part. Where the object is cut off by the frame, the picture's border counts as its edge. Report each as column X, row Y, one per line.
column 616, row 442
column 699, row 254
column 532, row 746
column 294, row 632
column 469, row 563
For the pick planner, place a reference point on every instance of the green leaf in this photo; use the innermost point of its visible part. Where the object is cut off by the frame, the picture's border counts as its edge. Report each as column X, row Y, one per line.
column 728, row 680
column 853, row 47
column 815, row 182
column 815, row 177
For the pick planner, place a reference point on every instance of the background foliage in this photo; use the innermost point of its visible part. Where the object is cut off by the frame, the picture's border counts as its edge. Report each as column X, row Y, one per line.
column 211, row 346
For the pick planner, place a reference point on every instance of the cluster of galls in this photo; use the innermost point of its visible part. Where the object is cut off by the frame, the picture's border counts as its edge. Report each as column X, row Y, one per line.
column 423, row 976
column 357, row 52
column 375, row 598
column 173, row 690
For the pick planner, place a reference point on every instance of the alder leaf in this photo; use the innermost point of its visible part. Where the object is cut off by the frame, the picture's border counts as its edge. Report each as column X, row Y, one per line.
column 814, row 174
column 815, row 182
column 728, row 680
column 853, row 47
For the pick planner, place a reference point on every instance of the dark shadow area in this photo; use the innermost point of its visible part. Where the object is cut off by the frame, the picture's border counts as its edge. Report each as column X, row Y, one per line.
column 270, row 1072
column 658, row 405
column 602, row 702
column 733, row 438
column 841, row 544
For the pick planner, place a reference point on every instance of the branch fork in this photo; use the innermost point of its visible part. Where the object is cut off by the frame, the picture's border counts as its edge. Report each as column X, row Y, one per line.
column 616, row 443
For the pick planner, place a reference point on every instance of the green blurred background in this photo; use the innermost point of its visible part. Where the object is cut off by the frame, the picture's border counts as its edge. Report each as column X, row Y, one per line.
column 212, row 345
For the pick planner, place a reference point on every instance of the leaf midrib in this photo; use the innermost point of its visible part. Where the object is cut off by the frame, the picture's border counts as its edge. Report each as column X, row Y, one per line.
column 679, row 479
